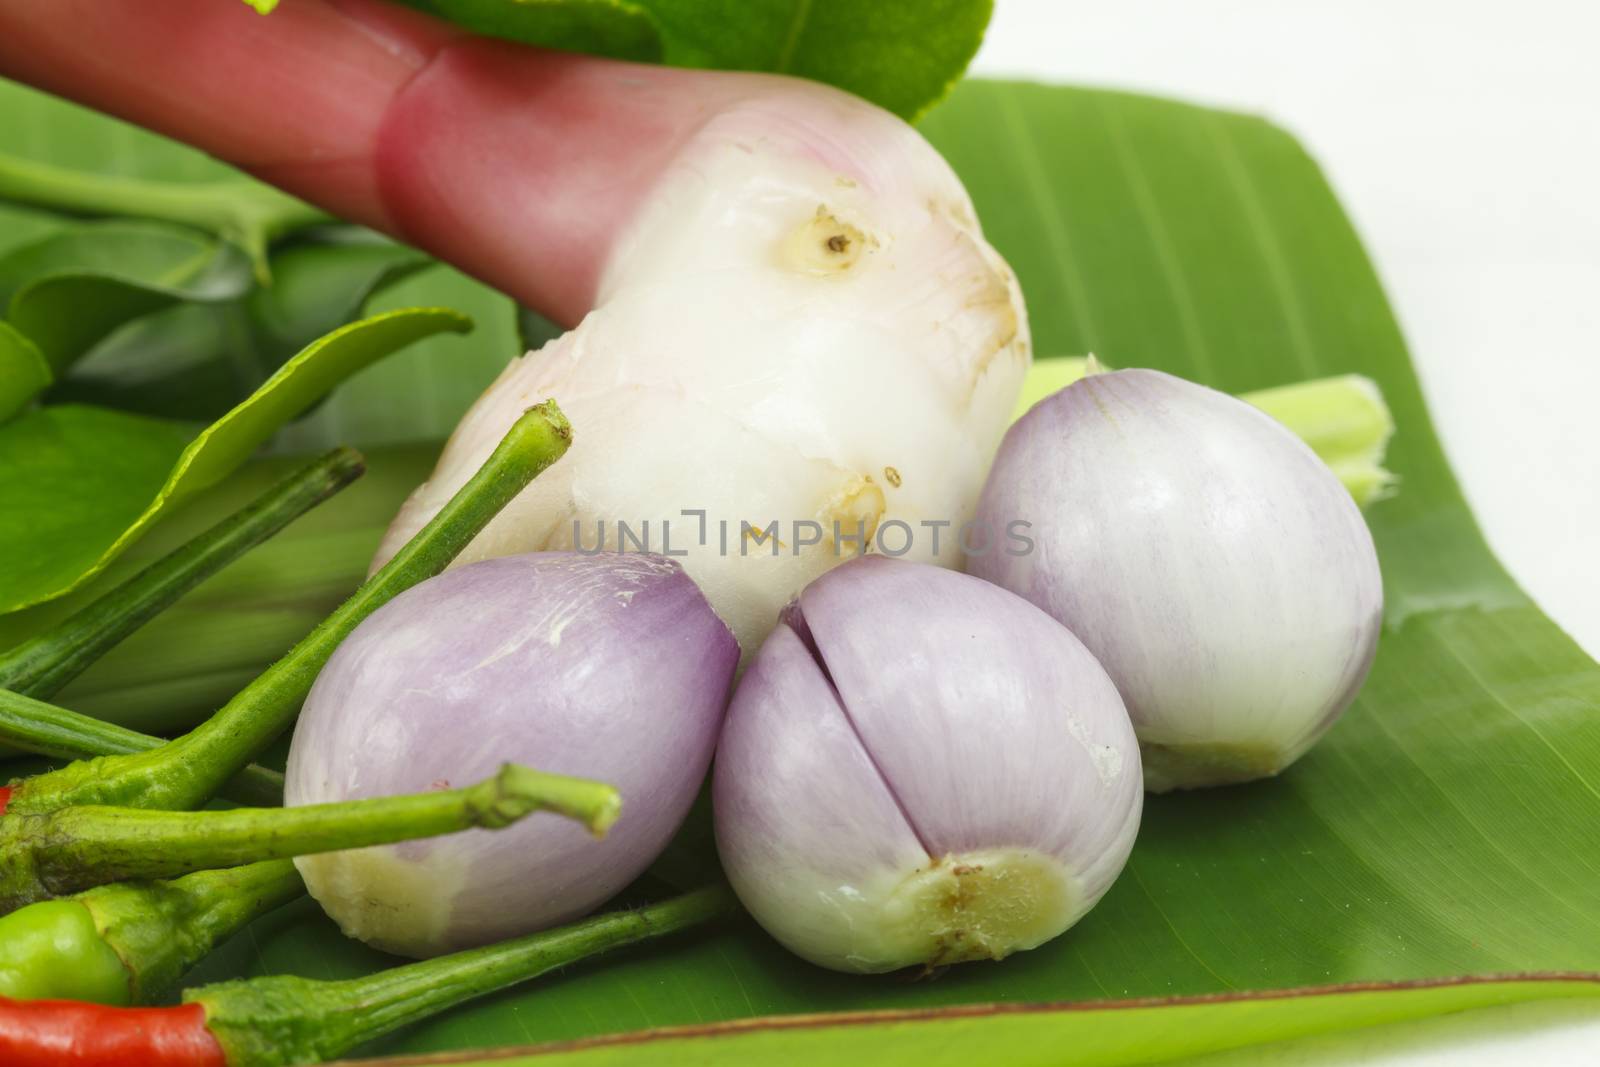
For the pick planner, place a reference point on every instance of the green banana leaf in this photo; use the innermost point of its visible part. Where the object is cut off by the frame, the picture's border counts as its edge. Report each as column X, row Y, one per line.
column 1436, row 852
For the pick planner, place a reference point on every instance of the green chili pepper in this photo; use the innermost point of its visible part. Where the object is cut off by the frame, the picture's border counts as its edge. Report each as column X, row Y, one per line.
column 54, row 950
column 184, row 773
column 130, row 943
column 50, row 854
column 279, row 1020
column 159, row 930
column 283, row 1019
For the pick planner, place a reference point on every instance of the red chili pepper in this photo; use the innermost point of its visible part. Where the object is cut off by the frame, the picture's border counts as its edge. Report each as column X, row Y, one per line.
column 69, row 1033
column 5, row 798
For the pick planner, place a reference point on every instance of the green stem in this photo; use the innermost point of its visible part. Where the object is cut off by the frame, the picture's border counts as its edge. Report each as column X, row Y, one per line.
column 186, row 772
column 24, row 371
column 131, row 942
column 248, row 213
column 44, row 729
column 1344, row 419
column 71, row 849
column 268, row 1022
column 161, row 929
column 40, row 666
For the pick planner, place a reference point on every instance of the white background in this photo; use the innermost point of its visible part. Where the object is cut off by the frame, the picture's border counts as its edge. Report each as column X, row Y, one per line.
column 1464, row 139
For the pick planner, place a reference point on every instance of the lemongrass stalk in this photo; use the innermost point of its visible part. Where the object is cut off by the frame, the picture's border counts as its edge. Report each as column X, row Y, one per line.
column 46, row 730
column 41, row 665
column 187, row 771
column 73, row 848
column 1345, row 421
column 1344, row 418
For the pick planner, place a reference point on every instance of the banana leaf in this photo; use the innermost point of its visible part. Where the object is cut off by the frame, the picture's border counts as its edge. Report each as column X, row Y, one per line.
column 1438, row 851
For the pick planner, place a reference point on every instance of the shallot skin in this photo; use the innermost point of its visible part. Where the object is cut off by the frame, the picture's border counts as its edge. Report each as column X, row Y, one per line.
column 1213, row 564
column 921, row 768
column 610, row 667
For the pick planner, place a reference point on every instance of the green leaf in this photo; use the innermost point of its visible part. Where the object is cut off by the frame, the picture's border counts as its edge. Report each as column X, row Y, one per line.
column 901, row 54
column 194, row 656
column 80, row 484
column 19, row 224
column 321, row 282
column 1442, row 829
column 190, row 361
column 420, row 394
column 197, row 360
column 24, row 372
column 621, row 29
column 245, row 212
column 44, row 129
column 67, row 291
column 71, row 475
column 534, row 330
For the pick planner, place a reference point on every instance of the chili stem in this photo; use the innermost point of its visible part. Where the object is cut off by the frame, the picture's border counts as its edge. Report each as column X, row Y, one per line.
column 284, row 1020
column 41, row 665
column 185, row 772
column 161, row 929
column 70, row 849
column 47, row 730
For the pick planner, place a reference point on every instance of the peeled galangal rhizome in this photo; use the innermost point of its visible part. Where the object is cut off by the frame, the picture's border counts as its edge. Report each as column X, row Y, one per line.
column 802, row 325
